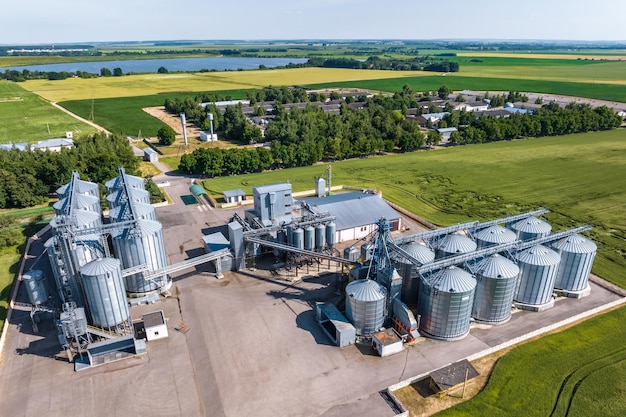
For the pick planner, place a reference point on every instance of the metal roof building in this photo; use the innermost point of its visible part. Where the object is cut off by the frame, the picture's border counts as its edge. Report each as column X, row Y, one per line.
column 53, row 145
column 356, row 213
column 234, row 196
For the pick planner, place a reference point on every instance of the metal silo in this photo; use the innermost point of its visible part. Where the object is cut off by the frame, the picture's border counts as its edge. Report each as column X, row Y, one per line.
column 320, row 236
column 35, row 282
column 538, row 266
column 139, row 210
column 496, row 281
column 351, row 253
column 298, row 238
column 531, row 228
column 105, row 292
column 577, row 254
column 309, row 238
column 406, row 268
column 79, row 187
column 445, row 303
column 455, row 244
column 119, row 181
column 141, row 245
column 331, row 234
column 87, row 248
column 83, row 219
column 79, row 201
column 134, row 194
column 494, row 235
column 365, row 306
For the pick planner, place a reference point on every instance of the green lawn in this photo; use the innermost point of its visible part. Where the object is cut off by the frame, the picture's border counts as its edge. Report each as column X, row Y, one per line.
column 578, row 372
column 25, row 117
column 581, row 178
column 9, row 264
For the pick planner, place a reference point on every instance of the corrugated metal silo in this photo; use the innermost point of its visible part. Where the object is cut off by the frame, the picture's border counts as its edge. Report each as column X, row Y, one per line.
column 494, row 235
column 88, row 248
column 130, row 180
column 134, row 194
column 331, row 234
column 140, row 211
column 455, row 244
column 105, row 292
column 538, row 266
column 351, row 253
column 79, row 201
column 35, row 283
column 445, row 304
column 406, row 268
column 365, row 306
column 298, row 238
column 309, row 238
column 531, row 228
column 138, row 246
column 577, row 255
column 496, row 281
column 80, row 187
column 83, row 219
column 320, row 236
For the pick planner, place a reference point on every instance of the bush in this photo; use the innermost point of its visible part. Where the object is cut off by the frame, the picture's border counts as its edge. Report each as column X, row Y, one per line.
column 166, row 135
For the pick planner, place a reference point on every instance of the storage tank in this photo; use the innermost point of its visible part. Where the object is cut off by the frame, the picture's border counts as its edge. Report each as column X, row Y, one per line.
column 140, row 211
column 80, row 187
column 496, row 281
column 351, row 253
column 73, row 322
column 105, row 292
column 83, row 219
column 445, row 304
column 130, row 180
column 577, row 255
column 320, row 236
column 365, row 306
column 538, row 266
column 134, row 194
column 79, row 201
column 493, row 236
column 455, row 244
column 138, row 246
column 331, row 234
column 406, row 268
column 531, row 228
column 35, row 283
column 87, row 248
column 298, row 238
column 309, row 238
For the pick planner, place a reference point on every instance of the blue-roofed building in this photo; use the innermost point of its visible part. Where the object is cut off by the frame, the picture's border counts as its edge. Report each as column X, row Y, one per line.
column 234, row 196
column 18, row 146
column 356, row 213
column 53, row 145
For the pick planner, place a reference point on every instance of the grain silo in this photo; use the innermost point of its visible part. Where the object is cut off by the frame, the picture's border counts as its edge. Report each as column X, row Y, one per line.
column 78, row 201
column 298, row 238
column 407, row 269
column 538, row 266
column 129, row 180
column 309, row 238
column 365, row 306
column 83, row 219
column 35, row 283
column 455, row 244
column 494, row 235
column 331, row 234
column 445, row 303
column 320, row 236
column 139, row 211
column 141, row 245
column 577, row 255
column 119, row 196
column 496, row 281
column 105, row 292
column 531, row 228
column 77, row 186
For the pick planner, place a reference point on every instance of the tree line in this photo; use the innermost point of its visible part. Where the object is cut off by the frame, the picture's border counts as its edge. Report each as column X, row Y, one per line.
column 418, row 63
column 28, row 177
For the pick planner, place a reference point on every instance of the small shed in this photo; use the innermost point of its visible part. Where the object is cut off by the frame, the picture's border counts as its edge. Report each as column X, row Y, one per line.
column 155, row 326
column 234, row 196
column 387, row 342
column 150, row 155
column 208, row 136
column 335, row 325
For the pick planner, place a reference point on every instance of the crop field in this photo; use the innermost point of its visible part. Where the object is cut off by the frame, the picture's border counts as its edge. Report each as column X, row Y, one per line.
column 580, row 178
column 589, row 380
column 587, row 54
column 24, row 117
column 149, row 84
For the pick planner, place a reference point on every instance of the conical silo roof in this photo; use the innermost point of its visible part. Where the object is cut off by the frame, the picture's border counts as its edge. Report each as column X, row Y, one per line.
column 453, row 280
column 130, row 180
column 456, row 243
column 140, row 211
column 100, row 266
column 575, row 244
column 532, row 225
column 366, row 290
column 496, row 234
column 497, row 266
column 539, row 255
column 61, row 205
column 144, row 227
column 418, row 251
column 82, row 217
column 62, row 190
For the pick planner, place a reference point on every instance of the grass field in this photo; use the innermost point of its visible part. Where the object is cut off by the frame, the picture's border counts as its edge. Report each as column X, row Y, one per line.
column 24, row 117
column 589, row 380
column 580, row 178
column 149, row 84
column 8, row 269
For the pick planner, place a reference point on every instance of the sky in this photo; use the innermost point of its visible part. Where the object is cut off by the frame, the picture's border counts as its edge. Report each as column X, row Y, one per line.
column 67, row 21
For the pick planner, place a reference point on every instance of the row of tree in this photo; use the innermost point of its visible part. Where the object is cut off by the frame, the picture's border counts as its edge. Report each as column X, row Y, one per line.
column 418, row 63
column 28, row 177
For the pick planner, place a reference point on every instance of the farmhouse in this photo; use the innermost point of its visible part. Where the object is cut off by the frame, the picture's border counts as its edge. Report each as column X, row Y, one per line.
column 53, row 145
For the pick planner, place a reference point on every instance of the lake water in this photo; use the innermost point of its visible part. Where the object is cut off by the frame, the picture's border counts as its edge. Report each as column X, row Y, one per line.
column 172, row 64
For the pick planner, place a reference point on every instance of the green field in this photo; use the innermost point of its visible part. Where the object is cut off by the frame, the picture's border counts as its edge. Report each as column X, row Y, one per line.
column 25, row 117
column 578, row 372
column 580, row 178
column 9, row 264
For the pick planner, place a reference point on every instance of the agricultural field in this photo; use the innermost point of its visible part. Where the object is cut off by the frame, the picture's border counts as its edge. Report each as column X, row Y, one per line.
column 579, row 177
column 25, row 117
column 590, row 379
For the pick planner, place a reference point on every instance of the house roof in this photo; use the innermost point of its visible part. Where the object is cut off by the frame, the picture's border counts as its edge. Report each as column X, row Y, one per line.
column 353, row 209
column 234, row 193
column 53, row 143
